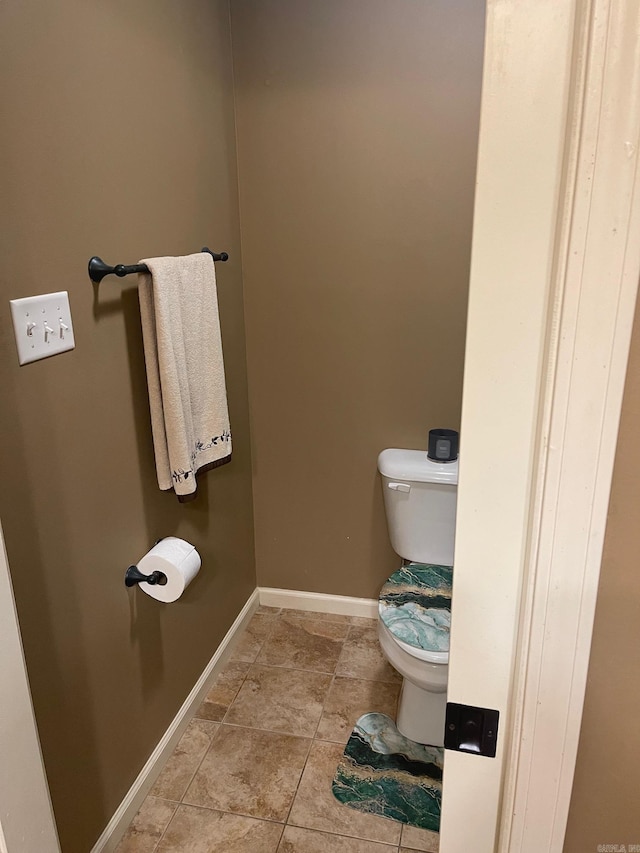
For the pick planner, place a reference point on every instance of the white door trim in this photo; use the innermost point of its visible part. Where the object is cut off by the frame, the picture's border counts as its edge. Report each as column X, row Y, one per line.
column 526, row 87
column 598, row 265
column 554, row 275
column 26, row 816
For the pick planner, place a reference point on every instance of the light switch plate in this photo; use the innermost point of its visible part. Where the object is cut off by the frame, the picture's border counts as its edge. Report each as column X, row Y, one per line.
column 42, row 325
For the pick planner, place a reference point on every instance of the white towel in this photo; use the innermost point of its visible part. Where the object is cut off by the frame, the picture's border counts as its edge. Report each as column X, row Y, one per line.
column 185, row 369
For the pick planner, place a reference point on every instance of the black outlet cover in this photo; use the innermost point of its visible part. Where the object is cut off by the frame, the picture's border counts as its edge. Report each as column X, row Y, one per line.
column 471, row 729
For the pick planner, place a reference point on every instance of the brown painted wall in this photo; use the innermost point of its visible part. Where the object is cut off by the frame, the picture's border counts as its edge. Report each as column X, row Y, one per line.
column 357, row 136
column 604, row 802
column 118, row 140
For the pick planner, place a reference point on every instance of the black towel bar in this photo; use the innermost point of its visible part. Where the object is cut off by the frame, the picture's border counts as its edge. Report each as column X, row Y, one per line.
column 98, row 269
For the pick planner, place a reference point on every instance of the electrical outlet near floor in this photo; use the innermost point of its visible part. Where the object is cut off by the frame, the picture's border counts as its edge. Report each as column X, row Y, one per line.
column 42, row 325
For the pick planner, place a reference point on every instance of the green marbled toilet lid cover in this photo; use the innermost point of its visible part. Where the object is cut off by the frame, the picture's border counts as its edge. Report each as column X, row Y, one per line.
column 415, row 605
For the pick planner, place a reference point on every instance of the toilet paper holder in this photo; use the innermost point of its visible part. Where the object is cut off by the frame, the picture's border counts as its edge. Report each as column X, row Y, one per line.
column 133, row 575
column 166, row 570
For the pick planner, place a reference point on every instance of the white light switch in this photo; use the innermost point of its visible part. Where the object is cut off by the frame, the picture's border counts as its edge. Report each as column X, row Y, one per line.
column 42, row 325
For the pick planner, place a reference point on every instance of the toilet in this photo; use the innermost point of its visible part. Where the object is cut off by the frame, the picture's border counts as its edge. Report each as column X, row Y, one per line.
column 415, row 603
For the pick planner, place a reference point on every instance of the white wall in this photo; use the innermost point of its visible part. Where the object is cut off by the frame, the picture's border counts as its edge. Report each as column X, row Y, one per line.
column 26, row 819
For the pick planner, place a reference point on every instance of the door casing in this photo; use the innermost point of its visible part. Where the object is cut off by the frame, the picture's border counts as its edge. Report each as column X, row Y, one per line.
column 554, row 275
column 26, row 817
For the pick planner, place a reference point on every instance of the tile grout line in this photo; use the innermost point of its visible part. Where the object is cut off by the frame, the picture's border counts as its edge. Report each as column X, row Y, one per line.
column 333, row 681
column 318, row 672
column 267, row 731
column 299, row 669
column 204, row 755
column 206, row 751
column 283, row 612
column 278, row 732
column 281, row 824
column 164, row 831
column 334, row 676
column 295, row 793
column 218, row 724
column 273, row 618
column 311, row 742
column 313, row 738
column 234, row 814
column 235, row 696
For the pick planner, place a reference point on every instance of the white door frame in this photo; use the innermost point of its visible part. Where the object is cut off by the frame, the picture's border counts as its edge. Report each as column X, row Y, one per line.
column 554, row 275
column 26, row 817
column 598, row 269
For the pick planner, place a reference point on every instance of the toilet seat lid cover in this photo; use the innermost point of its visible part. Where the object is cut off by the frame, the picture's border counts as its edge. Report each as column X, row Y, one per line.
column 415, row 605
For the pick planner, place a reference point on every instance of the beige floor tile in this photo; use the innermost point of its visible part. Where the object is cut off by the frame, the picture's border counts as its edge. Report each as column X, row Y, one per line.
column 223, row 692
column 349, row 699
column 362, row 657
column 365, row 621
column 249, row 772
column 304, row 644
column 195, row 830
column 297, row 840
column 146, row 829
column 253, row 637
column 310, row 614
column 185, row 760
column 420, row 839
column 270, row 611
column 315, row 807
column 282, row 700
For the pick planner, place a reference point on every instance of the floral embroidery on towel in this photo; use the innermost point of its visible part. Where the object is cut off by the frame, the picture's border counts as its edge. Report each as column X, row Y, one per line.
column 200, row 447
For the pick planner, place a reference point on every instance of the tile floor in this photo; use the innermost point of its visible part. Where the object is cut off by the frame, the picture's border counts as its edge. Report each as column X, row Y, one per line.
column 253, row 771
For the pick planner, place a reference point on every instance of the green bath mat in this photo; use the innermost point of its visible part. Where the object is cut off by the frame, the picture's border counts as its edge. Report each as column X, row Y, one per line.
column 386, row 774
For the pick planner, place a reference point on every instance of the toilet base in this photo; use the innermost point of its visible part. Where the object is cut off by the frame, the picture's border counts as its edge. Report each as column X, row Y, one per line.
column 421, row 714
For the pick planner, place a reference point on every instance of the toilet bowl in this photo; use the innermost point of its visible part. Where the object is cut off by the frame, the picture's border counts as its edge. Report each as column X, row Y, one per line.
column 415, row 602
column 423, row 698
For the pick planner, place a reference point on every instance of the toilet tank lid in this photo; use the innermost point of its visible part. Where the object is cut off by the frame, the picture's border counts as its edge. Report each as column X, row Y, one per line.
column 415, row 465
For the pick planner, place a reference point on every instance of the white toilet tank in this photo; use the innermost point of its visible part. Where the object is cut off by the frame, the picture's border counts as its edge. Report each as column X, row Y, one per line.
column 420, row 502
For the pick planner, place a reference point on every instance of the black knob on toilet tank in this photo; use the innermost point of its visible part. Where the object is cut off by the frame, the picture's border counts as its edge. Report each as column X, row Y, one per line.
column 443, row 445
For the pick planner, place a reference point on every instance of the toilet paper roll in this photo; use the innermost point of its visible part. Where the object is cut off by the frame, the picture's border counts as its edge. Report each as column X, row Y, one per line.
column 176, row 559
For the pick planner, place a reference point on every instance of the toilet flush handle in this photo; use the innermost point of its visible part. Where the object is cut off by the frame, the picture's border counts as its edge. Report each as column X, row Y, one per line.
column 400, row 487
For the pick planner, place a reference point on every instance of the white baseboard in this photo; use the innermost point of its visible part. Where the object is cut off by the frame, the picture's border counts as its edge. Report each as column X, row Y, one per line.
column 318, row 602
column 125, row 812
column 314, row 602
